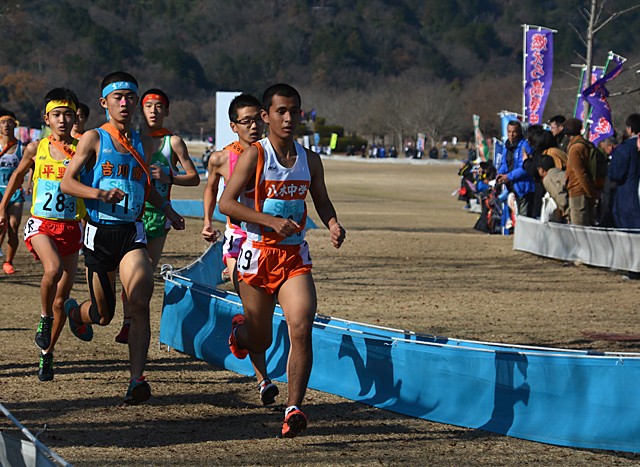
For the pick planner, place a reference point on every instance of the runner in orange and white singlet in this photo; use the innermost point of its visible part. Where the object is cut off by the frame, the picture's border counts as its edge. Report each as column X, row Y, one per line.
column 274, row 262
column 246, row 122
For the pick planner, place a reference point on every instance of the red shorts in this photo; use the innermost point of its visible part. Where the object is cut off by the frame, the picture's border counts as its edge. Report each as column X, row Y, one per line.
column 67, row 236
column 268, row 267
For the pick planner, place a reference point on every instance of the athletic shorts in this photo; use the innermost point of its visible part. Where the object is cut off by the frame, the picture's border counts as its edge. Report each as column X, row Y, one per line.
column 268, row 267
column 234, row 237
column 155, row 223
column 67, row 236
column 18, row 196
column 106, row 244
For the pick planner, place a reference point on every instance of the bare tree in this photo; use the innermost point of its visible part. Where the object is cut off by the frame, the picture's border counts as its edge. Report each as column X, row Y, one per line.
column 595, row 22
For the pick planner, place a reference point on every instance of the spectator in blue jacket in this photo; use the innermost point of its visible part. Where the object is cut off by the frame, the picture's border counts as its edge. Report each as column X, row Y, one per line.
column 511, row 171
column 624, row 169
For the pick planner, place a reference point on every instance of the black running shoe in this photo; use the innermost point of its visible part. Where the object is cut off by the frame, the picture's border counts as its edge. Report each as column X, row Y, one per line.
column 43, row 334
column 139, row 391
column 45, row 369
column 268, row 392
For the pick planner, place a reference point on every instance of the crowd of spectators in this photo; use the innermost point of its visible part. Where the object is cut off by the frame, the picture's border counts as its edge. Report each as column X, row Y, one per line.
column 554, row 174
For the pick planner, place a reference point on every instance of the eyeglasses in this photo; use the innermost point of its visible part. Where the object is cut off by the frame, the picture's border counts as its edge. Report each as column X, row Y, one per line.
column 249, row 121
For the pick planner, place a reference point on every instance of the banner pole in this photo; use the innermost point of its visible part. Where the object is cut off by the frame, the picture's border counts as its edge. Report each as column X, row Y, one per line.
column 525, row 29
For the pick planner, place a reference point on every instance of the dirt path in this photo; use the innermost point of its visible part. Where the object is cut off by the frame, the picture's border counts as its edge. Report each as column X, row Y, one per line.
column 411, row 261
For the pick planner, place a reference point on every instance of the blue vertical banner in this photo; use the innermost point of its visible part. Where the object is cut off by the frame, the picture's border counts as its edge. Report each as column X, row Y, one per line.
column 600, row 124
column 505, row 118
column 537, row 70
column 498, row 150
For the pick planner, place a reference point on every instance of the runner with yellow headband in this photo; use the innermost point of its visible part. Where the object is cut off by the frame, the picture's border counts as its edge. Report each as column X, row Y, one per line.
column 10, row 156
column 169, row 151
column 53, row 234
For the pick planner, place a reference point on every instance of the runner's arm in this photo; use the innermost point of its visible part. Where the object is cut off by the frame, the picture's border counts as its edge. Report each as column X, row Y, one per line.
column 191, row 177
column 324, row 206
column 86, row 156
column 214, row 167
column 17, row 179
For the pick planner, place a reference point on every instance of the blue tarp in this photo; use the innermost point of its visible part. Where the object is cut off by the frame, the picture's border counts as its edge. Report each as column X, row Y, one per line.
column 557, row 396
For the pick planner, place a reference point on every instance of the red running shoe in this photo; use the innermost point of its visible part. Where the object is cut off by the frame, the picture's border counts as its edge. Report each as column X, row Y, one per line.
column 295, row 422
column 233, row 343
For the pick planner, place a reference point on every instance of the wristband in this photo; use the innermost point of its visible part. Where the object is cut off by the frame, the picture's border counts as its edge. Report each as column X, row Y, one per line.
column 165, row 204
column 171, row 177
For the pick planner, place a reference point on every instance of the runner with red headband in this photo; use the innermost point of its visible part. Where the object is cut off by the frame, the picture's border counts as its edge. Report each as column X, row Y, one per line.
column 10, row 156
column 53, row 234
column 115, row 182
column 169, row 152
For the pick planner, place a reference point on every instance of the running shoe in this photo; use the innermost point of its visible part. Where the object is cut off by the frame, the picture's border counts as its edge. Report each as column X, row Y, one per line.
column 45, row 369
column 43, row 334
column 225, row 275
column 123, row 336
column 295, row 422
column 268, row 392
column 84, row 332
column 8, row 268
column 139, row 391
column 233, row 343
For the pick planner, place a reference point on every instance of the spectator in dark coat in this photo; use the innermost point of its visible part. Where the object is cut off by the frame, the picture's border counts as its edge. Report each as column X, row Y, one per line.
column 624, row 169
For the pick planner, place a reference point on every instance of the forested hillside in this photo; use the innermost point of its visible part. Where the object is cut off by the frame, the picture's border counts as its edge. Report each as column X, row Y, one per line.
column 374, row 66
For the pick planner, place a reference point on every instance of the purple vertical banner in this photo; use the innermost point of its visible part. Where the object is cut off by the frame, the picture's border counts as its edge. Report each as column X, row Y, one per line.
column 538, row 71
column 601, row 126
column 596, row 74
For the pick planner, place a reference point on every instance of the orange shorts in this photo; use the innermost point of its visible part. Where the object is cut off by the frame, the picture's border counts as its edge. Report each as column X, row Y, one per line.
column 268, row 266
column 66, row 235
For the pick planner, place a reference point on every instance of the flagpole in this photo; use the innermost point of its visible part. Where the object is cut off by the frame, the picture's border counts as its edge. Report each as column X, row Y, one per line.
column 525, row 29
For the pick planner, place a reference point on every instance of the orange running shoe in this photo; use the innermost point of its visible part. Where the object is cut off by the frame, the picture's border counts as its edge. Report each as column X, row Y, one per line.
column 237, row 320
column 295, row 422
column 8, row 268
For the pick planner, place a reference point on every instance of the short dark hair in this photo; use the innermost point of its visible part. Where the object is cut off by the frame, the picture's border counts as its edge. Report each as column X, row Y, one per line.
column 279, row 89
column 5, row 112
column 117, row 76
column 541, row 141
column 157, row 91
column 546, row 163
column 61, row 94
column 517, row 124
column 572, row 126
column 84, row 108
column 240, row 102
column 633, row 122
column 557, row 119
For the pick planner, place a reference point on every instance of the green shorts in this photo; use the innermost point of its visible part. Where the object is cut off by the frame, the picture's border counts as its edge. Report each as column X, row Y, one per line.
column 155, row 223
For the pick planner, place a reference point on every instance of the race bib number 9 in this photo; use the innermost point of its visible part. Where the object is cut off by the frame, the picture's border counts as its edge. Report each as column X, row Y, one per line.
column 291, row 209
column 51, row 203
column 129, row 208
